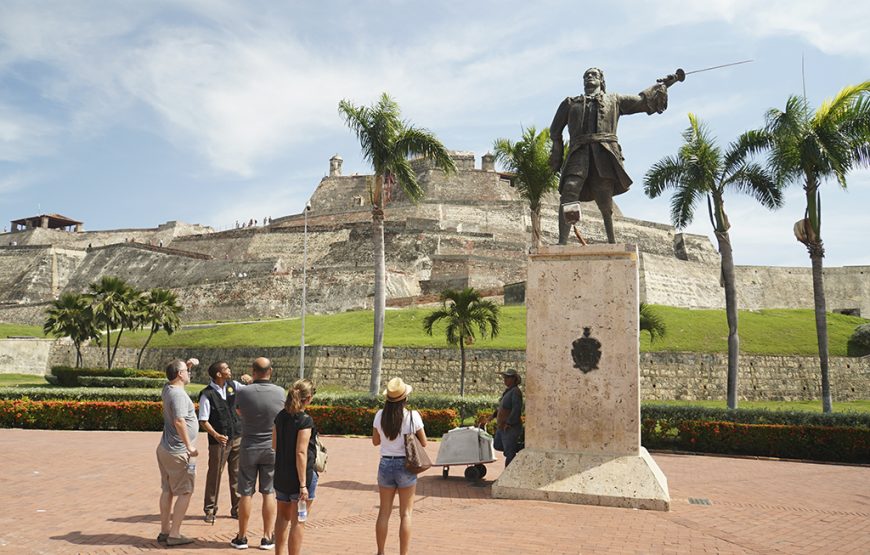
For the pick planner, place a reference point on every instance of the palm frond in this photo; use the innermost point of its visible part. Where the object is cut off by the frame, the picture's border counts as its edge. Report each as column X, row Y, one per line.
column 755, row 181
column 683, row 205
column 664, row 174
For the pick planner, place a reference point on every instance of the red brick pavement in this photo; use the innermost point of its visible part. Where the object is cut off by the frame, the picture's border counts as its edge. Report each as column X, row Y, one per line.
column 96, row 492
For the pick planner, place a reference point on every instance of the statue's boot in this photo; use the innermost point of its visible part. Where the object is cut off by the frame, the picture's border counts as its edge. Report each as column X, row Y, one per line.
column 564, row 228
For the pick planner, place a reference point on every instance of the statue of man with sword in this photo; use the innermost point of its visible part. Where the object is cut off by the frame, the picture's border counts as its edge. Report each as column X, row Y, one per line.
column 592, row 168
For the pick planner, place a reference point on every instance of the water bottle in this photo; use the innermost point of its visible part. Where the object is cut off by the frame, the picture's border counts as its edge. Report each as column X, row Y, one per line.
column 191, row 466
column 302, row 514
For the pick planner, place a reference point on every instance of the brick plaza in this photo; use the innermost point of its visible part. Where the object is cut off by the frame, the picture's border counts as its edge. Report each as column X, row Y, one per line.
column 97, row 492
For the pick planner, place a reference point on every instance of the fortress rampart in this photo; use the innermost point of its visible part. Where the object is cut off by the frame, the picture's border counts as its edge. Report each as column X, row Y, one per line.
column 472, row 228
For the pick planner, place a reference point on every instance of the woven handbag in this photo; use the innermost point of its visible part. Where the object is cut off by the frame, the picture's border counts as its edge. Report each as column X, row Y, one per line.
column 416, row 458
column 322, row 456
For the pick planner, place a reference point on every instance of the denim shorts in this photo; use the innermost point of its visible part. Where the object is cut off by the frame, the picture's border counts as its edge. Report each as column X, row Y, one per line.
column 288, row 497
column 392, row 474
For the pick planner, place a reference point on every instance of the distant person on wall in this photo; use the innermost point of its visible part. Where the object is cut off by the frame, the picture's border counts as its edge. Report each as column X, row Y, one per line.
column 219, row 419
column 293, row 438
column 508, row 417
column 389, row 428
column 176, row 454
column 258, row 404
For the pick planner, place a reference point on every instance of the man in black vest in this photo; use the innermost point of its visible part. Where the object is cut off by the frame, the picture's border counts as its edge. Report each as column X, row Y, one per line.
column 218, row 417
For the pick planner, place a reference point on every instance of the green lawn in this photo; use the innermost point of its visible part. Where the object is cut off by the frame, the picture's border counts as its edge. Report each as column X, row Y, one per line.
column 776, row 331
column 805, row 406
column 404, row 328
column 783, row 332
column 7, row 330
column 8, row 380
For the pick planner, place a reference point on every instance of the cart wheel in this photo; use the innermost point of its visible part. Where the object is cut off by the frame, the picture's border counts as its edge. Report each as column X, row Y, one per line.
column 481, row 470
column 445, row 472
column 472, row 473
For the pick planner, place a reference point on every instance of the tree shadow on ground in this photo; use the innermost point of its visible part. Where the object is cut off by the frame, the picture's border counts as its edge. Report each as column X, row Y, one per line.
column 427, row 486
column 78, row 538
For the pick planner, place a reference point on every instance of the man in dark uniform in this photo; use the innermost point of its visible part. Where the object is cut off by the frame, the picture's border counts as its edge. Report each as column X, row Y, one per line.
column 592, row 169
column 218, row 417
column 508, row 417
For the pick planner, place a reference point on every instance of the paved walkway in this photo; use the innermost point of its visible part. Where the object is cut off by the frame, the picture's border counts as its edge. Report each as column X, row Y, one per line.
column 96, row 492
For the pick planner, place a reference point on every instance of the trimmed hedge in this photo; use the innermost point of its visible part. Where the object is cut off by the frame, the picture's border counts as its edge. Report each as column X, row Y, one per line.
column 670, row 415
column 109, row 381
column 81, row 394
column 464, row 406
column 839, row 437
column 88, row 415
column 773, row 440
column 148, row 416
column 68, row 376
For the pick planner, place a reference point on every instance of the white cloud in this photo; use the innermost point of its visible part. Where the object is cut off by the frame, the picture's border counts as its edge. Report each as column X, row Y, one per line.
column 831, row 26
column 23, row 135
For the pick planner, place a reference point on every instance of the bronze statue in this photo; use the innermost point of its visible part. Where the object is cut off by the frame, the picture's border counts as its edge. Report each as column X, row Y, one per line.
column 592, row 169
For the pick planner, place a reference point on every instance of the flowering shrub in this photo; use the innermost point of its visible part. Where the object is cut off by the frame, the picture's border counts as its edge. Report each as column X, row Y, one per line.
column 358, row 421
column 796, row 442
column 89, row 415
column 148, row 416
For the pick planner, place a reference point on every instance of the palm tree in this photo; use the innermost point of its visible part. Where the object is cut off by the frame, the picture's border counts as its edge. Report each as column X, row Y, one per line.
column 809, row 147
column 464, row 311
column 529, row 159
column 113, row 303
column 70, row 316
column 387, row 142
column 158, row 308
column 651, row 321
column 700, row 169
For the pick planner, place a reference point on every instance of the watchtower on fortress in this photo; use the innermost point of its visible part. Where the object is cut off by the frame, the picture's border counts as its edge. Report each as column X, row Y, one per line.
column 47, row 221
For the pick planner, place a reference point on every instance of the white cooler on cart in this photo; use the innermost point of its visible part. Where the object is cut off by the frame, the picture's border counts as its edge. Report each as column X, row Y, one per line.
column 468, row 446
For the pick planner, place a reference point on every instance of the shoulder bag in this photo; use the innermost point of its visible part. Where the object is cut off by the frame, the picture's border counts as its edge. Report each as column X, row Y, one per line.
column 416, row 459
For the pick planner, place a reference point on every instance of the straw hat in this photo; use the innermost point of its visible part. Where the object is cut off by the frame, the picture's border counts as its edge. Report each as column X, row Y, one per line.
column 397, row 390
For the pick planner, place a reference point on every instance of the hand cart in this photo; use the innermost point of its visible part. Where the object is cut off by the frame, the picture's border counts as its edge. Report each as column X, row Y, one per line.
column 469, row 446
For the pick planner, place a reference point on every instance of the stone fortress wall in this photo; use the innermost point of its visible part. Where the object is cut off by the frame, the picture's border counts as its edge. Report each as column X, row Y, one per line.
column 470, row 229
column 664, row 376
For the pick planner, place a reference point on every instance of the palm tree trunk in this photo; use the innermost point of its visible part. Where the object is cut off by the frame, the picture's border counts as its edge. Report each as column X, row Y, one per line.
column 461, row 366
column 115, row 350
column 145, row 346
column 78, row 347
column 536, row 228
column 380, row 300
column 730, row 314
column 817, row 252
column 108, row 347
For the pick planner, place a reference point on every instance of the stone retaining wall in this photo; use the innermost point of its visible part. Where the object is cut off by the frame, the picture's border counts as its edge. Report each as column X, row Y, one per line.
column 664, row 376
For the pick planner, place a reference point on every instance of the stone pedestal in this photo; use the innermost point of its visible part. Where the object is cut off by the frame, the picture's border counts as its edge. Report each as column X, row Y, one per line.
column 583, row 390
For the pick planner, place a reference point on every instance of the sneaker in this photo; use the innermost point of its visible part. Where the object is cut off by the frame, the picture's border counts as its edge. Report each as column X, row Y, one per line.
column 209, row 518
column 180, row 540
column 239, row 543
column 161, row 537
column 267, row 543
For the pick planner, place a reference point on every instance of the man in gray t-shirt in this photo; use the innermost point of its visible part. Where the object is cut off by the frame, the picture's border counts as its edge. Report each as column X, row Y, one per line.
column 176, row 453
column 258, row 404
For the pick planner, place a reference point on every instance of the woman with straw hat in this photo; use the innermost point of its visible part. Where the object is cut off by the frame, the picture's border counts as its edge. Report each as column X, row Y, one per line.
column 388, row 430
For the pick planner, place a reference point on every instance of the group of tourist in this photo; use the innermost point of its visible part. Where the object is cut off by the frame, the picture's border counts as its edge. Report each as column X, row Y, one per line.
column 268, row 443
column 253, row 222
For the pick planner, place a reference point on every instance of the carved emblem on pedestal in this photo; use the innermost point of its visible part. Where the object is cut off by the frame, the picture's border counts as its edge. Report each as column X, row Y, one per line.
column 586, row 352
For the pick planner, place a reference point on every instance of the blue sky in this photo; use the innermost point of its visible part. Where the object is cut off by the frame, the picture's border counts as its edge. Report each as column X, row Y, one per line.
column 129, row 114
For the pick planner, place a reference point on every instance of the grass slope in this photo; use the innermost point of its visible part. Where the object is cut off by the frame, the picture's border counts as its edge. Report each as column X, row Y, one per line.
column 7, row 330
column 771, row 332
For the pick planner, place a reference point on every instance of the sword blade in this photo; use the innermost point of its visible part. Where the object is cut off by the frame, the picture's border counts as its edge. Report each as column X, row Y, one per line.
column 717, row 67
